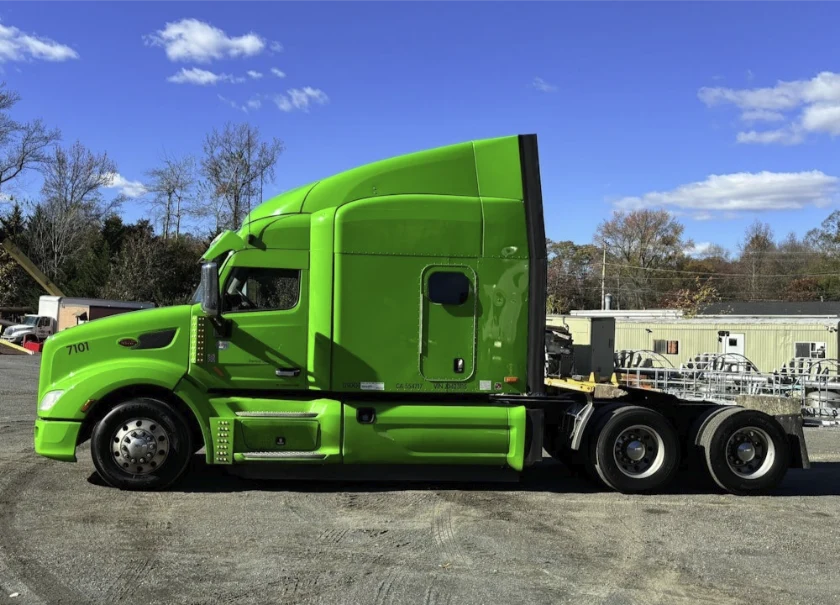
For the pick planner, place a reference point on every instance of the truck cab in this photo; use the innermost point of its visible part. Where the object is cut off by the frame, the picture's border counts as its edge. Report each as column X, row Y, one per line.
column 33, row 327
column 379, row 316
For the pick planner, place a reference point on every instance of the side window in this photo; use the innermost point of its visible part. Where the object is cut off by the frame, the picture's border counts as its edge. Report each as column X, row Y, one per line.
column 261, row 289
column 449, row 288
column 666, row 347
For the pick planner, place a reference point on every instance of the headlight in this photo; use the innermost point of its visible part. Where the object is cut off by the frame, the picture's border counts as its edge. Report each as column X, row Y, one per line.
column 49, row 400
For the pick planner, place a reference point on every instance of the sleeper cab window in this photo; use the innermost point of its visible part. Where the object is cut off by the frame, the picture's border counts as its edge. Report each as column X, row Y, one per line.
column 449, row 288
column 261, row 289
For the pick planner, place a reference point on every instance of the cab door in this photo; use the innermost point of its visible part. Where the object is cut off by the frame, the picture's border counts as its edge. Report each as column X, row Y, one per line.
column 265, row 306
column 43, row 329
column 448, row 310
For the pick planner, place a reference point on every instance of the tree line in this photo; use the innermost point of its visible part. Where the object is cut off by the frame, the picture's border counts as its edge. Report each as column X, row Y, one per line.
column 74, row 232
column 73, row 229
column 645, row 261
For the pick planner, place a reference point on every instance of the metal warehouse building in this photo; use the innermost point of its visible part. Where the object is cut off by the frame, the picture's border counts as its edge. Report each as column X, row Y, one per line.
column 770, row 335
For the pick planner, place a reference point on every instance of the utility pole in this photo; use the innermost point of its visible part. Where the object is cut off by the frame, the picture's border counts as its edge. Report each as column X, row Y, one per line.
column 603, row 276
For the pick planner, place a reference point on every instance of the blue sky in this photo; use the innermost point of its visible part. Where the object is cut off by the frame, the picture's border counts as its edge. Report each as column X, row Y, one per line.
column 720, row 112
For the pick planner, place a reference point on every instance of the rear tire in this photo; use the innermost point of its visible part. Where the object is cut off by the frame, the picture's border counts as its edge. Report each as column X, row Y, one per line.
column 141, row 444
column 746, row 451
column 636, row 450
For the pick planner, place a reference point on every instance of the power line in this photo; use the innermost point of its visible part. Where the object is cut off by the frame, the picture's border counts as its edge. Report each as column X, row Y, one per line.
column 713, row 273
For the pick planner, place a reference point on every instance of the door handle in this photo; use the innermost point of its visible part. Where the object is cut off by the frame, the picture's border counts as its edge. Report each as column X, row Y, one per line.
column 287, row 372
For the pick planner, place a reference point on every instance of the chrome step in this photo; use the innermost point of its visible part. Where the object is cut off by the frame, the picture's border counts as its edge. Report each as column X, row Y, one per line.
column 277, row 414
column 283, row 455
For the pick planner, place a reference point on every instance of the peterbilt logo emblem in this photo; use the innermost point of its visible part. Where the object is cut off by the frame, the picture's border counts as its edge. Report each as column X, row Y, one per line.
column 127, row 342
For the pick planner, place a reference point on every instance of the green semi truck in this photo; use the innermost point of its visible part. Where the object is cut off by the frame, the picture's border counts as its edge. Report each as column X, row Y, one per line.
column 387, row 319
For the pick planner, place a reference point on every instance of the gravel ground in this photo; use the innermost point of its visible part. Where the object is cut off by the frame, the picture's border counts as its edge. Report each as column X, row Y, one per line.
column 65, row 538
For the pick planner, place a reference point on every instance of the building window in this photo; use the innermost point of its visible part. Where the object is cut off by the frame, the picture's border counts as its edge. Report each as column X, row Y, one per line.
column 262, row 289
column 666, row 347
column 449, row 288
column 810, row 350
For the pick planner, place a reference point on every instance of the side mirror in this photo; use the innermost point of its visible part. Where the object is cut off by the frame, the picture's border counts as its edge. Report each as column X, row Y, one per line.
column 210, row 289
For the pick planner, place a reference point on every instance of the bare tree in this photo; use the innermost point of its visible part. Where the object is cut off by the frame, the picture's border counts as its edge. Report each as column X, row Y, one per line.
column 72, row 205
column 574, row 273
column 23, row 145
column 173, row 187
column 236, row 164
column 211, row 207
column 757, row 262
column 643, row 249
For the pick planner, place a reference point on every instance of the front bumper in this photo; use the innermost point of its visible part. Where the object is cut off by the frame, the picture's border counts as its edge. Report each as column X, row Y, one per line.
column 57, row 439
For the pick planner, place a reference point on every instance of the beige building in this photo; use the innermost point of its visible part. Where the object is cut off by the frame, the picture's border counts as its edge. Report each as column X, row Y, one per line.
column 768, row 341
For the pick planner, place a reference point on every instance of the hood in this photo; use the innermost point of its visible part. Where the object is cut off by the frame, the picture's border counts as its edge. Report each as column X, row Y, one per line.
column 159, row 333
column 130, row 324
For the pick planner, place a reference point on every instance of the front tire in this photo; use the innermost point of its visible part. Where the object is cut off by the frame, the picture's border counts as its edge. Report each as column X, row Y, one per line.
column 141, row 444
column 636, row 450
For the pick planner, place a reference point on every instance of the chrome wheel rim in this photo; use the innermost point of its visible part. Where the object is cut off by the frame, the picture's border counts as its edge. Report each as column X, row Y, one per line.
column 639, row 451
column 750, row 452
column 140, row 446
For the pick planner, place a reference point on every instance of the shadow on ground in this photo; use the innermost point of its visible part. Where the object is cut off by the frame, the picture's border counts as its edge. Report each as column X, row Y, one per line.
column 822, row 479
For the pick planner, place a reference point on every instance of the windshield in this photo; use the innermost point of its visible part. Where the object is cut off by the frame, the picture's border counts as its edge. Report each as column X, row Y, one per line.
column 30, row 320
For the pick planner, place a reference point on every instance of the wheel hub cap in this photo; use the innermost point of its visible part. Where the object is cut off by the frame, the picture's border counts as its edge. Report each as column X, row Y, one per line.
column 635, row 450
column 746, row 452
column 140, row 446
column 639, row 451
column 750, row 452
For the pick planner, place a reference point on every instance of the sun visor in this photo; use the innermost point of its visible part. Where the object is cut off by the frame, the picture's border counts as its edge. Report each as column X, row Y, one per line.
column 224, row 242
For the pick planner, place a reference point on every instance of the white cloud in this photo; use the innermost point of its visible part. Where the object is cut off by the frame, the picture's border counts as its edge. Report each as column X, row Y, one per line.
column 699, row 249
column 543, row 86
column 783, row 136
column 762, row 115
column 132, row 189
column 300, row 98
column 822, row 117
column 254, row 74
column 750, row 75
column 232, row 103
column 278, row 73
column 743, row 191
column 251, row 105
column 814, row 103
column 16, row 45
column 194, row 40
column 785, row 95
column 201, row 77
column 276, row 47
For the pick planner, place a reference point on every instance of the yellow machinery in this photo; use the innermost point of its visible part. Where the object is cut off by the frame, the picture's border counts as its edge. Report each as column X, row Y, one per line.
column 29, row 266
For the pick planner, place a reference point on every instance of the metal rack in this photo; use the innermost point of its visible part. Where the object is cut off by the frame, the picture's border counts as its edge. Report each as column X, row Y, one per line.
column 721, row 378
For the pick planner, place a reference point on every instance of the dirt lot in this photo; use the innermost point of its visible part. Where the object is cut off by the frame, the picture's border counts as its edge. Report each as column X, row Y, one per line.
column 64, row 538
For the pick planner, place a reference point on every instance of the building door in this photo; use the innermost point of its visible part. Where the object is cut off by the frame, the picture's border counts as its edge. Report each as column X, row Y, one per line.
column 733, row 343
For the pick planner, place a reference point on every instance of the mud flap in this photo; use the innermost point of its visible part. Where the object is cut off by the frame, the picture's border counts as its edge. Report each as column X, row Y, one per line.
column 534, row 436
column 792, row 425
